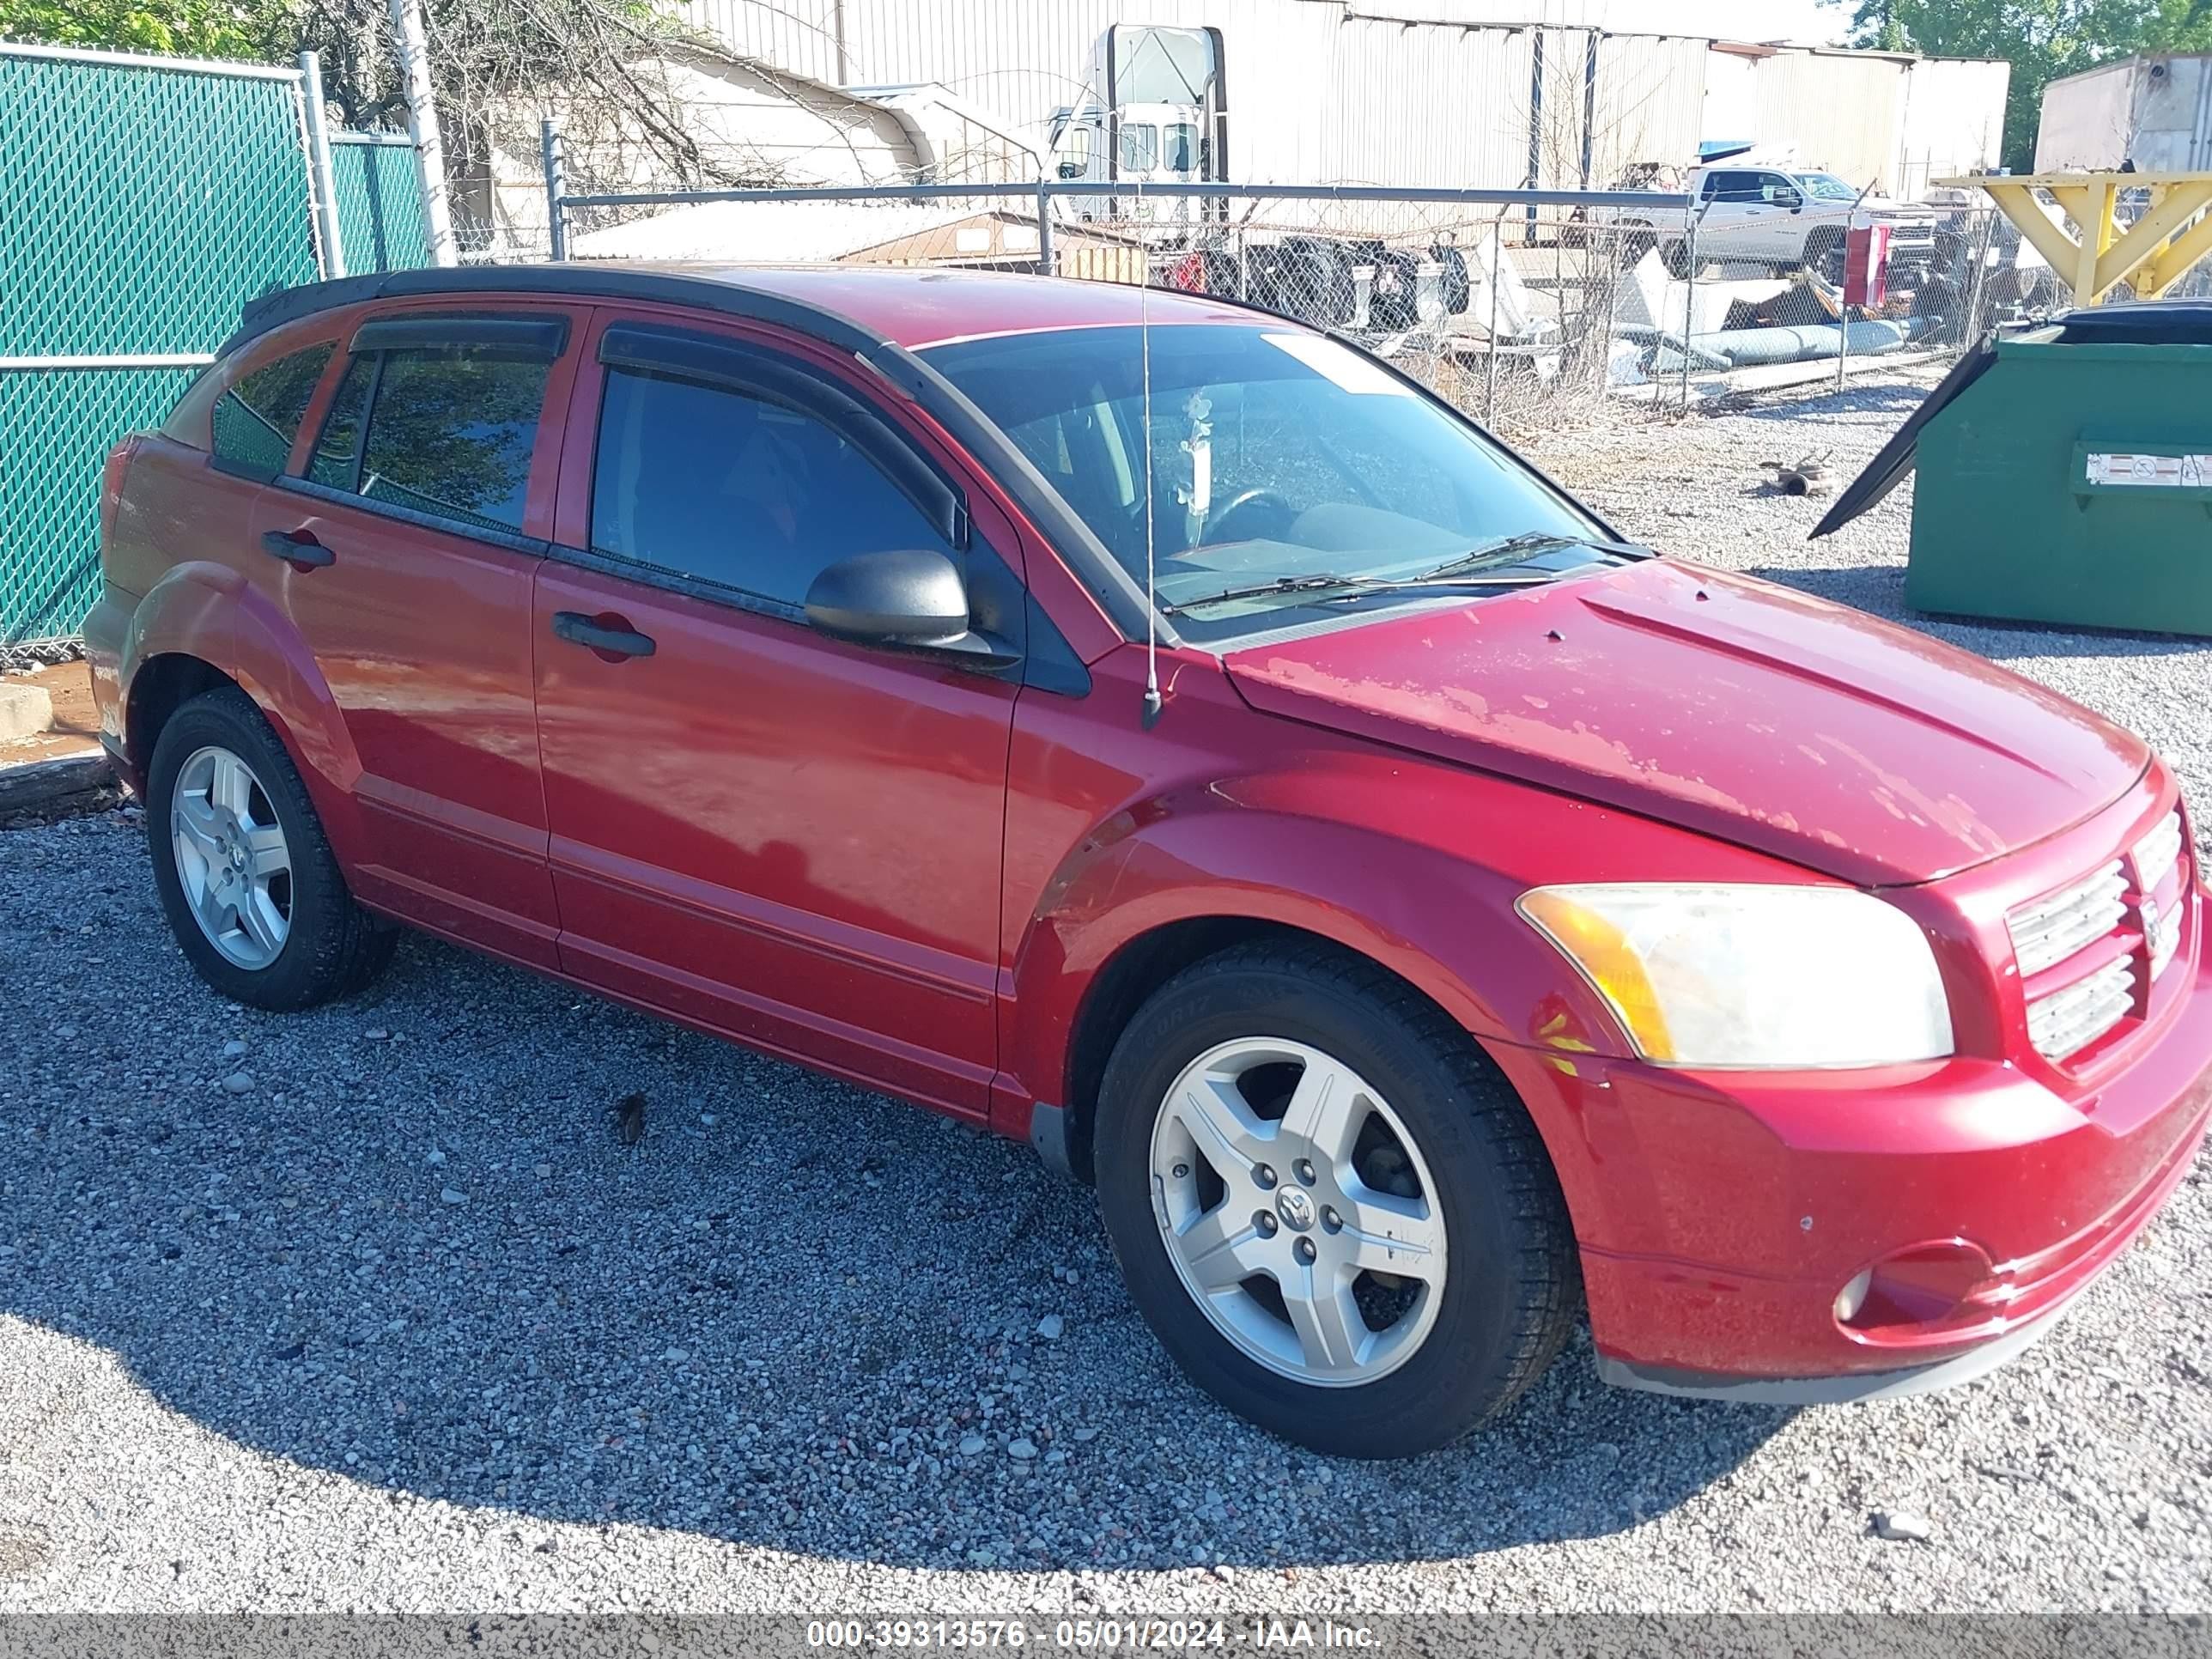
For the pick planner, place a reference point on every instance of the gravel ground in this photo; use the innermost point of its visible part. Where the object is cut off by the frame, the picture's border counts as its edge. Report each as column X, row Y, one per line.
column 371, row 1309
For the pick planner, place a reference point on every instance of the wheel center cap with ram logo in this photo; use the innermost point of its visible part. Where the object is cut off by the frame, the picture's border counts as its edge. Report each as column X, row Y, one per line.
column 1295, row 1209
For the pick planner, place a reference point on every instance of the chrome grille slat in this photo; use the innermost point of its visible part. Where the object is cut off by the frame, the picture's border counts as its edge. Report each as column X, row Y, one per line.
column 2157, row 852
column 2048, row 930
column 2068, row 1021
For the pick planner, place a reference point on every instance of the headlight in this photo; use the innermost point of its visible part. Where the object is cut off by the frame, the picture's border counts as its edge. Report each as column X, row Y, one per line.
column 1772, row 976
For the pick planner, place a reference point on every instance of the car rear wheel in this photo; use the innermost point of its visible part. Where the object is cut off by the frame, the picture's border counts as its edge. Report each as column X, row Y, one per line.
column 1332, row 1213
column 250, row 885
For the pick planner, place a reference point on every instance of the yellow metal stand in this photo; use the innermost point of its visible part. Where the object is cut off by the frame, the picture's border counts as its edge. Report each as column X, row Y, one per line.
column 2150, row 255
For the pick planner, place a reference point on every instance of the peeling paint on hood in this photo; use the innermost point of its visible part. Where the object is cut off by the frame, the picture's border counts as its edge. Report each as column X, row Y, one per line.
column 1727, row 705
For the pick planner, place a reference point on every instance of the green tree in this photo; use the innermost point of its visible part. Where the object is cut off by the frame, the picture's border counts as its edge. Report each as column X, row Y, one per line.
column 189, row 28
column 2042, row 40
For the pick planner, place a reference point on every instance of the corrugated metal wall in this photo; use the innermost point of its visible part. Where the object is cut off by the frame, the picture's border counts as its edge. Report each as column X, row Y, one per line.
column 1854, row 104
column 1028, row 57
column 1651, row 97
column 1954, row 121
column 1405, row 91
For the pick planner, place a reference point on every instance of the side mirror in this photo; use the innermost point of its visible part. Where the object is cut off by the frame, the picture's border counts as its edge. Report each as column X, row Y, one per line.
column 1071, row 170
column 1788, row 199
column 910, row 597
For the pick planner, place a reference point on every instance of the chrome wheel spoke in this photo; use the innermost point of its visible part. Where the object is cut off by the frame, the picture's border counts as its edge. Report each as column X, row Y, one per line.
column 1324, row 1112
column 1384, row 1233
column 1220, row 1248
column 1330, row 1332
column 266, row 854
column 1223, row 1126
column 258, row 919
column 200, row 823
column 230, row 786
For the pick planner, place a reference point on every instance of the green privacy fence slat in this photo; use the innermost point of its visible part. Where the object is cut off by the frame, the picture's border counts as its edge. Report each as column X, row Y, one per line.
column 56, row 429
column 140, row 207
column 379, row 197
column 141, row 204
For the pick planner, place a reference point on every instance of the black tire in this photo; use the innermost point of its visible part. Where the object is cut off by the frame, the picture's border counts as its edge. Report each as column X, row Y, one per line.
column 1513, row 1287
column 1677, row 255
column 1635, row 243
column 333, row 947
column 1824, row 254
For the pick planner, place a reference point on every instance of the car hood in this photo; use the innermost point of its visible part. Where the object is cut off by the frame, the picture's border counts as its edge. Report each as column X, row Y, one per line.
column 1729, row 706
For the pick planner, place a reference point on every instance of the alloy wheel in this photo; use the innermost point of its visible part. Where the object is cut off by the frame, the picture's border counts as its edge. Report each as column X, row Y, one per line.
column 1298, row 1211
column 232, row 860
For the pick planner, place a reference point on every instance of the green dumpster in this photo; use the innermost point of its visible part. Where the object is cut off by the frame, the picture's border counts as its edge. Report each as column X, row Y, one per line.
column 2064, row 475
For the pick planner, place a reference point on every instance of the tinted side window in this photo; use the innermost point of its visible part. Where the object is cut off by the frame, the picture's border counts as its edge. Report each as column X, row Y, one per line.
column 336, row 459
column 711, row 483
column 255, row 422
column 451, row 433
column 1735, row 187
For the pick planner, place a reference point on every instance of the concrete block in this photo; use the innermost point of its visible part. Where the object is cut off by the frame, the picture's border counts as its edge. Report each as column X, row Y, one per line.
column 25, row 710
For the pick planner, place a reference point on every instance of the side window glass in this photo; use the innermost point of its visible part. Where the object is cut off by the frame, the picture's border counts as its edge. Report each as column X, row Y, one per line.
column 336, row 459
column 711, row 483
column 255, row 422
column 451, row 433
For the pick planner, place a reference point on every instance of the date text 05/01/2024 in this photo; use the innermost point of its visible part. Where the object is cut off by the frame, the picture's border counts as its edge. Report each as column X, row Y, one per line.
column 1109, row 1634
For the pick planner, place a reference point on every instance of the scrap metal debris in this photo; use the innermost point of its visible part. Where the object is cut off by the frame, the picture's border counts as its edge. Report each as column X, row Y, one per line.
column 1809, row 475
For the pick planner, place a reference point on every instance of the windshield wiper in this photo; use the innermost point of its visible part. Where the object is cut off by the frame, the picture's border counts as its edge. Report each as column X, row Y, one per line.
column 1355, row 587
column 1512, row 548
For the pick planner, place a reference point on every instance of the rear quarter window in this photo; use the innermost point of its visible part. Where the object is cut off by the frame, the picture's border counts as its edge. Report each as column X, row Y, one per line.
column 253, row 423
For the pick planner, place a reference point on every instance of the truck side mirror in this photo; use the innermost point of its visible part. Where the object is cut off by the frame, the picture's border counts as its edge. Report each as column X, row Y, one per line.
column 1071, row 170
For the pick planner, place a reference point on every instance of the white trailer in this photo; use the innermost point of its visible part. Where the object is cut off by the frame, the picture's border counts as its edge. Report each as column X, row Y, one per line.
column 2154, row 113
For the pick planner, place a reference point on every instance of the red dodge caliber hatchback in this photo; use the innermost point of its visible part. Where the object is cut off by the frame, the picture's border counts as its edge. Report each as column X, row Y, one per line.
column 1166, row 735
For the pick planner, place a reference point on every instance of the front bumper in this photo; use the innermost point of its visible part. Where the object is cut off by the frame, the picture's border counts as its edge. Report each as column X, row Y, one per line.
column 1720, row 1214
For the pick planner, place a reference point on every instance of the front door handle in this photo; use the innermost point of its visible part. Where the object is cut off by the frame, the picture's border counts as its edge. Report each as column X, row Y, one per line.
column 298, row 548
column 611, row 637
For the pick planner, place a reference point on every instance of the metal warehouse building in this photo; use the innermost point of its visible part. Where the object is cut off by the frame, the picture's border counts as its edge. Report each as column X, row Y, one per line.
column 1406, row 92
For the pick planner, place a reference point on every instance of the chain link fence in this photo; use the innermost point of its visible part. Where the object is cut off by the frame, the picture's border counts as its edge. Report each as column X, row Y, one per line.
column 1526, row 308
column 1518, row 306
column 143, row 201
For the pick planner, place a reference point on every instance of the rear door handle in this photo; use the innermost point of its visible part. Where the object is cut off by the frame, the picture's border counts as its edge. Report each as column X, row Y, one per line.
column 309, row 554
column 613, row 638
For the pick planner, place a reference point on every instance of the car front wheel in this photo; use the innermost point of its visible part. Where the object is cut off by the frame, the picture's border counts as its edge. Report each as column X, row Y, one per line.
column 1335, row 1215
column 252, row 889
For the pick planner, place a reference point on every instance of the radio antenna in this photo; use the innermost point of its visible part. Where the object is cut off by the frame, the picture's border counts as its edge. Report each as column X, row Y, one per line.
column 1145, row 361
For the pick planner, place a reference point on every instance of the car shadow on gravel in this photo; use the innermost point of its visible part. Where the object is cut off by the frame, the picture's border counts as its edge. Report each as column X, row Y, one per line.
column 400, row 1240
column 1879, row 589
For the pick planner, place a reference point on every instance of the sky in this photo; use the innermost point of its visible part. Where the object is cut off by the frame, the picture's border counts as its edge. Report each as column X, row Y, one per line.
column 1807, row 22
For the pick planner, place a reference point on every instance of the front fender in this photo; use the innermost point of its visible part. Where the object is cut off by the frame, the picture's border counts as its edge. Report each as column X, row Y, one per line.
column 209, row 611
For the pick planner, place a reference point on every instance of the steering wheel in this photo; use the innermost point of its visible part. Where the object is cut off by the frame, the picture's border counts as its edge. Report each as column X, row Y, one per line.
column 1256, row 501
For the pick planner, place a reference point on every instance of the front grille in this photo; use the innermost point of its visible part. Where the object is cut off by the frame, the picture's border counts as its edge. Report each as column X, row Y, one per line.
column 2106, row 938
column 2066, row 1022
column 2050, row 930
column 2157, row 852
column 2162, row 877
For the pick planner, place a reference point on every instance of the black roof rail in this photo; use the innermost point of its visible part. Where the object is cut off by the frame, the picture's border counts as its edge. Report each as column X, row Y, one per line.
column 710, row 292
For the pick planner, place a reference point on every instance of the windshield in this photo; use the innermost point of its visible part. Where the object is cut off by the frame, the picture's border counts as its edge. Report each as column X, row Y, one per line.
column 1827, row 187
column 1276, row 457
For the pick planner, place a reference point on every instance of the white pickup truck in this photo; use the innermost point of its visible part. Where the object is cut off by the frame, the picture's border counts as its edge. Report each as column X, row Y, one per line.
column 1787, row 219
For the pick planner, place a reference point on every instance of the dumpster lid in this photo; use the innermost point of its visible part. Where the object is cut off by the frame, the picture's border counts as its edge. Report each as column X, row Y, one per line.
column 2140, row 322
column 1893, row 462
